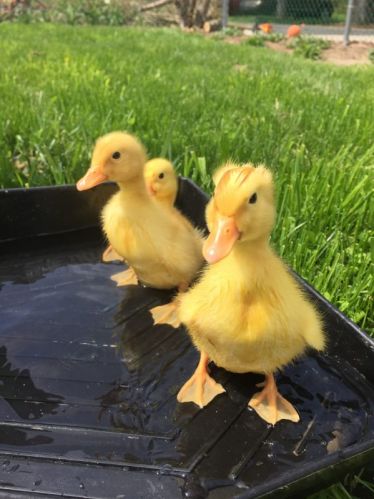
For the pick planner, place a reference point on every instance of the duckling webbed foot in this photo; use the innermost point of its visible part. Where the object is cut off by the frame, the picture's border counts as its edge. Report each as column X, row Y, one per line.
column 110, row 255
column 166, row 314
column 271, row 406
column 200, row 388
column 125, row 278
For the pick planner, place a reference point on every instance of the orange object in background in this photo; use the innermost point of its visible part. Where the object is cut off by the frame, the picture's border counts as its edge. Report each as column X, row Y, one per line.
column 266, row 27
column 294, row 30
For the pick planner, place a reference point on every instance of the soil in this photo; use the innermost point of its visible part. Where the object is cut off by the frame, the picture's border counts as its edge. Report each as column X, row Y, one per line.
column 355, row 53
column 278, row 47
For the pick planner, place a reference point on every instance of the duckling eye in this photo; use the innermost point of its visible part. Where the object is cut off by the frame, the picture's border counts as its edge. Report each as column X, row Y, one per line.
column 161, row 175
column 116, row 155
column 253, row 199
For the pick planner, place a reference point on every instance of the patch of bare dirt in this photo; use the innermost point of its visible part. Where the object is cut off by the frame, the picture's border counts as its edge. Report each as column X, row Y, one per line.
column 355, row 53
column 278, row 47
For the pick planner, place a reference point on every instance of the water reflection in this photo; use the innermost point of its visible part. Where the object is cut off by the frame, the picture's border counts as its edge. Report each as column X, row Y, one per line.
column 19, row 391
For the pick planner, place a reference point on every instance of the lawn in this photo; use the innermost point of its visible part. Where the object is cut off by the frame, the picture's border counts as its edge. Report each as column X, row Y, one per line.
column 199, row 102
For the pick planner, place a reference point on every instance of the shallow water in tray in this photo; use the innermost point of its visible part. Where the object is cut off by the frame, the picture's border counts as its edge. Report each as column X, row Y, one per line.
column 84, row 374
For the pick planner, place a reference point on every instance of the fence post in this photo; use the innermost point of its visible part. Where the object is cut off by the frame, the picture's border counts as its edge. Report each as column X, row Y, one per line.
column 348, row 21
column 225, row 13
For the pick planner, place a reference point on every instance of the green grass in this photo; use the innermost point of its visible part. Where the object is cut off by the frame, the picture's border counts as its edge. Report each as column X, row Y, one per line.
column 185, row 97
column 353, row 486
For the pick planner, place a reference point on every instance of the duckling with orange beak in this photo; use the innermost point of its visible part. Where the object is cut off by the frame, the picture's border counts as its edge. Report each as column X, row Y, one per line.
column 162, row 183
column 246, row 313
column 139, row 229
column 161, row 180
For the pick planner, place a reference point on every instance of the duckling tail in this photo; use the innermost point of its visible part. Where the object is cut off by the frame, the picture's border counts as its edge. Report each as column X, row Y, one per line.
column 313, row 331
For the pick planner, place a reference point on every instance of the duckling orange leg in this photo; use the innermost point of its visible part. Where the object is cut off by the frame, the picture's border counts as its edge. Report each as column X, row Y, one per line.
column 270, row 405
column 110, row 254
column 168, row 314
column 200, row 388
column 125, row 278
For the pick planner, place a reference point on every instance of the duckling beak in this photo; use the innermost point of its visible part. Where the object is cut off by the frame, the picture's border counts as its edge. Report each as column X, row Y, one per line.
column 93, row 177
column 221, row 240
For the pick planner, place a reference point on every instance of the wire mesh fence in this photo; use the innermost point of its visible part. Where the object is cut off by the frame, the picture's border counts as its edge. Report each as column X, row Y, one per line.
column 308, row 11
column 332, row 19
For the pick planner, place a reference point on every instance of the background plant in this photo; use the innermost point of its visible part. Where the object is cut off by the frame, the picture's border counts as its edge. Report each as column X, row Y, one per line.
column 255, row 41
column 109, row 12
column 308, row 46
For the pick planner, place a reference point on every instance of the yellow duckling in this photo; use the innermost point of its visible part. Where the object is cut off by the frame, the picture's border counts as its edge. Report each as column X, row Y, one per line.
column 162, row 252
column 161, row 180
column 162, row 183
column 247, row 313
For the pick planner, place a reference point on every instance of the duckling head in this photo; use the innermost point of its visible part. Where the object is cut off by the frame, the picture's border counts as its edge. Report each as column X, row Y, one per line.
column 117, row 156
column 241, row 210
column 161, row 180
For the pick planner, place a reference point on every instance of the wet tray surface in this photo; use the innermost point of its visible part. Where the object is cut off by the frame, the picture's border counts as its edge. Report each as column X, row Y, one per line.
column 88, row 387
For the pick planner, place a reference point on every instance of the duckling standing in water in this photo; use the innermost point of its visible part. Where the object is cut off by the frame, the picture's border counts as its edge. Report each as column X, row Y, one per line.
column 162, row 183
column 161, row 180
column 246, row 313
column 163, row 253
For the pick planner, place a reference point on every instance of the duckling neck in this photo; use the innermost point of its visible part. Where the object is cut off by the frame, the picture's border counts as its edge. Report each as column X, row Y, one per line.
column 252, row 256
column 168, row 200
column 253, row 249
column 134, row 189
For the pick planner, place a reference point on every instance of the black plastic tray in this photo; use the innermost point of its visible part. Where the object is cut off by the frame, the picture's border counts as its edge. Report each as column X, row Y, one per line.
column 88, row 385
